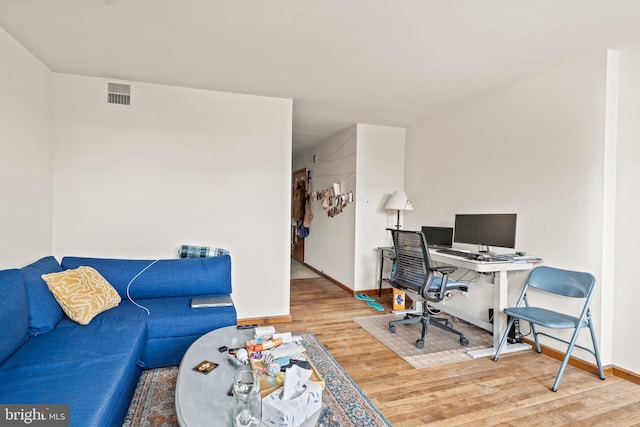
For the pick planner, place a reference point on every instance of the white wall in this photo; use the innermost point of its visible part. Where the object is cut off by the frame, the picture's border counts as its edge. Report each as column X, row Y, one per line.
column 368, row 160
column 380, row 172
column 536, row 149
column 329, row 248
column 179, row 166
column 626, row 291
column 25, row 156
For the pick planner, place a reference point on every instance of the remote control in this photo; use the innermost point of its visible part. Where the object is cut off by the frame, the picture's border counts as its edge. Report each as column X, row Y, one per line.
column 251, row 326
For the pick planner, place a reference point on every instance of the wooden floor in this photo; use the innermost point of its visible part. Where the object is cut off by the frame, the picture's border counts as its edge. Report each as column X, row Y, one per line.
column 479, row 392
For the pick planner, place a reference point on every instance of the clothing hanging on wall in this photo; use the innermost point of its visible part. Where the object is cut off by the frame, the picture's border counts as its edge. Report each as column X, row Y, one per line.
column 308, row 216
column 299, row 198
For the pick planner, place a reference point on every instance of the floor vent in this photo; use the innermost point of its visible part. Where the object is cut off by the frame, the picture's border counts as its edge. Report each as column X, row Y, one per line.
column 118, row 93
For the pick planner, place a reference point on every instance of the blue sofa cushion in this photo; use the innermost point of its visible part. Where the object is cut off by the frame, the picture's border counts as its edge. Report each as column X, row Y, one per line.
column 44, row 310
column 14, row 316
column 172, row 325
column 93, row 368
column 169, row 317
column 165, row 278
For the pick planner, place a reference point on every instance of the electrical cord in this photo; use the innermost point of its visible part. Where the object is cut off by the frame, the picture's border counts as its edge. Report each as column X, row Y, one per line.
column 129, row 286
column 528, row 333
column 432, row 310
column 461, row 279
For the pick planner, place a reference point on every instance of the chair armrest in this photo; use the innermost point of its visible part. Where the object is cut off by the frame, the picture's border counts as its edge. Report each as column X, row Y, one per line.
column 444, row 269
column 439, row 293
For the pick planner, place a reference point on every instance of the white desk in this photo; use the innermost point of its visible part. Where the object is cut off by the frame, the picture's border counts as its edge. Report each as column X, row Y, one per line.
column 500, row 287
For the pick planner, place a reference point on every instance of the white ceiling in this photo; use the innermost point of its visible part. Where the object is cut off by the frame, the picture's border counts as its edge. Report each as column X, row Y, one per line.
column 341, row 61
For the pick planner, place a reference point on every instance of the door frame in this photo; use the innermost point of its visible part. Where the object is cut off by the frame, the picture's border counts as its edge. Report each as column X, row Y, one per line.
column 297, row 243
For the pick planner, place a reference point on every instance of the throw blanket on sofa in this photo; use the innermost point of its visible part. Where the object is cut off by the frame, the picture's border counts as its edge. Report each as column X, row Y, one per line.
column 190, row 251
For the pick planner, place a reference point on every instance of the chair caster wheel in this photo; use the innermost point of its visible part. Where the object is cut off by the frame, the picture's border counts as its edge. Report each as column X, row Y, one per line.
column 420, row 344
column 392, row 329
column 464, row 341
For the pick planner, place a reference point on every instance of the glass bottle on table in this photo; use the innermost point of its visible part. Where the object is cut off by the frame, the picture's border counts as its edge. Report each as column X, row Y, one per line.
column 247, row 404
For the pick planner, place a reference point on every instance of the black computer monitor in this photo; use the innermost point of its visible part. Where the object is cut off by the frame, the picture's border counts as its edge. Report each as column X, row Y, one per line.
column 486, row 229
column 438, row 236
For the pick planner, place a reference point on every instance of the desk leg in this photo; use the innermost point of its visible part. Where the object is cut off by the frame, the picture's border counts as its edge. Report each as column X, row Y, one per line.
column 381, row 271
column 499, row 304
column 500, row 289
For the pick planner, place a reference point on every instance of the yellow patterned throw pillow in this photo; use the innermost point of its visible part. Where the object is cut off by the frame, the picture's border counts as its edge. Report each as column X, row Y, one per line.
column 82, row 293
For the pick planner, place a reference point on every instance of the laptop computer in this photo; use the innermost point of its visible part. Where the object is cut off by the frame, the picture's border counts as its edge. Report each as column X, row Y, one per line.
column 206, row 302
column 438, row 237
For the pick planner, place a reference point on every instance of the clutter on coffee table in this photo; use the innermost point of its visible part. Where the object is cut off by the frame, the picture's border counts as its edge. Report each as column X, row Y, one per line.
column 273, row 354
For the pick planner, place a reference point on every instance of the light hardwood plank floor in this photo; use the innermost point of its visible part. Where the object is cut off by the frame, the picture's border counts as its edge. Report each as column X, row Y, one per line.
column 479, row 392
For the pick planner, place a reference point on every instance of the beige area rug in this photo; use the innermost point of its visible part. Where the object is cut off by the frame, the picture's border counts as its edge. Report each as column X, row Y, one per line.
column 299, row 271
column 440, row 347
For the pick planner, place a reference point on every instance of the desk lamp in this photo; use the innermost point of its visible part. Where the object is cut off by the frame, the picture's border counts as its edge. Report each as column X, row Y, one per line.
column 398, row 202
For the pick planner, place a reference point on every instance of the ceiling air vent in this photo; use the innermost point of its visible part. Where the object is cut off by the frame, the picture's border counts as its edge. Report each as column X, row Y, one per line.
column 118, row 93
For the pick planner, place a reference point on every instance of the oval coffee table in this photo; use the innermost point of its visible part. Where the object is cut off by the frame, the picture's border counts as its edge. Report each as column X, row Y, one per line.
column 202, row 400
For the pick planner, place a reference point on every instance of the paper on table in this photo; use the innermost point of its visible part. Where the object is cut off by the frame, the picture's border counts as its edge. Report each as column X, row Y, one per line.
column 286, row 350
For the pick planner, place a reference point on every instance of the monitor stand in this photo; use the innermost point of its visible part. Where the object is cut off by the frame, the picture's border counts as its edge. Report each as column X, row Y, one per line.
column 485, row 250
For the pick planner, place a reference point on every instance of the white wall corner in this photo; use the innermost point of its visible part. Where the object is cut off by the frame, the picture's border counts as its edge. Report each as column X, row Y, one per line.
column 380, row 171
column 607, row 279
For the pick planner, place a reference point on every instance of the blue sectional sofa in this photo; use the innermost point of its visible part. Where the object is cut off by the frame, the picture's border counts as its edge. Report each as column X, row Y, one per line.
column 46, row 358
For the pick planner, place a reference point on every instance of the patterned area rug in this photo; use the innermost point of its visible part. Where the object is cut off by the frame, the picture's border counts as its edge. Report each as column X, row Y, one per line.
column 440, row 347
column 153, row 402
column 343, row 403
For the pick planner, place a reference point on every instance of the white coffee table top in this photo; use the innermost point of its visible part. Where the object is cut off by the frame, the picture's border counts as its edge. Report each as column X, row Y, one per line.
column 202, row 400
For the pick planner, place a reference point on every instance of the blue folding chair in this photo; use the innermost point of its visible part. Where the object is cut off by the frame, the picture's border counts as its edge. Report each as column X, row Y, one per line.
column 567, row 283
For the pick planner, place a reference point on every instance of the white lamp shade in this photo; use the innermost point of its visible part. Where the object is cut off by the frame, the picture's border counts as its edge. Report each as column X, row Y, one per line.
column 398, row 202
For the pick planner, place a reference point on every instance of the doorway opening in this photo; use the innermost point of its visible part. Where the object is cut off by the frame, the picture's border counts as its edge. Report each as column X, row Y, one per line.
column 299, row 199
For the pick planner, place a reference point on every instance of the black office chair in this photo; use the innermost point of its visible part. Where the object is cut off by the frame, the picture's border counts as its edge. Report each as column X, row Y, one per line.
column 565, row 283
column 414, row 273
